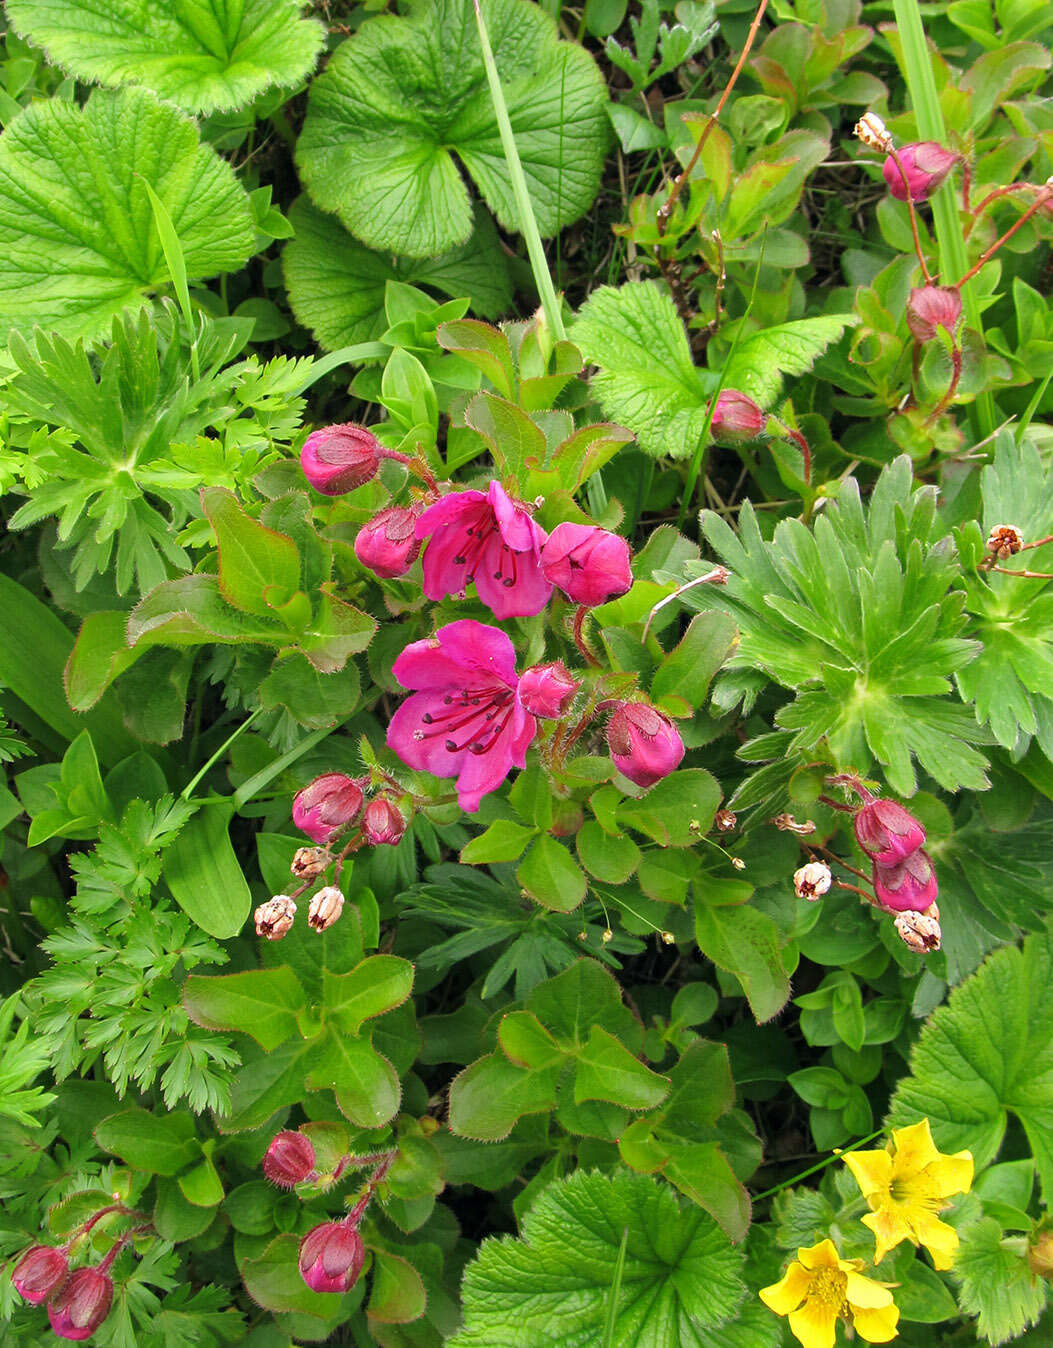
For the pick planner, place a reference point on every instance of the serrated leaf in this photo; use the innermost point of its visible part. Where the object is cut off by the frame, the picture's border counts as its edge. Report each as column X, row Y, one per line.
column 78, row 242
column 761, row 362
column 996, row 1284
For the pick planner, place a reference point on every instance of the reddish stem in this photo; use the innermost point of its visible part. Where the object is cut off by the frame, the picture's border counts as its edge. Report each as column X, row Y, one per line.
column 952, row 388
column 1046, row 194
column 1028, row 575
column 579, row 636
column 802, row 445
column 355, row 1215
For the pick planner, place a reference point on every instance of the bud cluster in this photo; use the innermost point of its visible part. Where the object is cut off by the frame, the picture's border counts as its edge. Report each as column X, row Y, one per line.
column 902, row 871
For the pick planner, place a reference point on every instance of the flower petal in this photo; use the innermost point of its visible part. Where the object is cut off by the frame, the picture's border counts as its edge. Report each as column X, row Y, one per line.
column 823, row 1255
column 429, row 753
column 878, row 1326
column 889, row 1226
column 815, row 1324
column 867, row 1293
column 872, row 1170
column 529, row 591
column 517, row 527
column 449, row 510
column 952, row 1174
column 939, row 1239
column 915, row 1149
column 787, row 1294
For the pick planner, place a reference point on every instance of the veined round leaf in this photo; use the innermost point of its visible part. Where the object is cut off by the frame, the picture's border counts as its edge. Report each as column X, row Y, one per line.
column 78, row 241
column 210, row 56
column 403, row 96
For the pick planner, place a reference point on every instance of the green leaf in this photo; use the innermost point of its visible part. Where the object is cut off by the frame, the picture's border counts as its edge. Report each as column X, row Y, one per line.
column 997, row 1286
column 608, row 1071
column 203, row 873
column 206, row 57
column 746, row 943
column 396, row 1293
column 338, row 631
column 191, row 611
column 201, row 1186
column 378, row 147
column 988, row 1051
column 263, row 1003
column 677, row 810
column 259, row 569
column 610, row 858
column 378, row 984
column 687, row 670
column 365, row 1084
column 175, row 1218
column 761, row 362
column 488, row 1098
column 313, row 699
column 503, row 840
column 526, row 1042
column 77, row 236
column 701, row 1171
column 550, row 875
column 581, row 997
column 680, row 1279
column 274, row 1281
column 162, row 1144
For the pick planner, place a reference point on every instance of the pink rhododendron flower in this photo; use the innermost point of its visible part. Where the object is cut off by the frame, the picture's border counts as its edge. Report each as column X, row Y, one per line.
column 644, row 744
column 337, row 459
column 887, row 832
column 547, row 690
column 909, row 886
column 926, row 163
column 590, row 565
column 488, row 538
column 81, row 1304
column 465, row 720
column 325, row 805
column 387, row 544
column 331, row 1257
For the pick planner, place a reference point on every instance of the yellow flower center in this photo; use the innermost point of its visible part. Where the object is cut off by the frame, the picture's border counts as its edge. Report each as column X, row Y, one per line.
column 829, row 1285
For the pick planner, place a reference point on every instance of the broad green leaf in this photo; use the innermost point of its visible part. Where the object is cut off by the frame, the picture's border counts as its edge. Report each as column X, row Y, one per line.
column 996, row 1284
column 191, row 611
column 503, row 840
column 550, row 875
column 402, row 96
column 396, row 1291
column 677, row 810
column 175, row 1218
column 378, row 984
column 365, row 1084
column 206, row 57
column 202, row 1186
column 266, row 1084
column 610, row 858
column 513, row 438
column 680, row 1277
column 263, row 1003
column 608, row 1071
column 315, row 700
column 78, row 242
column 259, row 569
column 161, row 1143
column 273, row 1280
column 701, row 1171
column 687, row 670
column 336, row 284
column 761, row 362
column 338, row 630
column 100, row 654
column 203, row 873
column 580, row 998
column 745, row 941
column 526, row 1042
column 488, row 1098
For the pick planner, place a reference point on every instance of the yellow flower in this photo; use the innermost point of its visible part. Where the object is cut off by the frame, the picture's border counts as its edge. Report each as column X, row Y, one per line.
column 819, row 1287
column 906, row 1185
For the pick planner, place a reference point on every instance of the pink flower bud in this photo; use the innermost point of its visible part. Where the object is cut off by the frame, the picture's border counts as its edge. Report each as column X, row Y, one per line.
column 737, row 418
column 926, row 163
column 39, row 1272
column 274, row 918
column 331, row 1257
column 81, row 1304
column 326, row 805
column 909, row 886
column 547, row 690
column 338, row 459
column 932, row 307
column 289, row 1160
column 383, row 822
column 589, row 565
column 644, row 745
column 325, row 908
column 387, row 544
column 887, row 832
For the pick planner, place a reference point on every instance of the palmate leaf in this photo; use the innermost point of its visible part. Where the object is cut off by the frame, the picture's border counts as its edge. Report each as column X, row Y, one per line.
column 78, row 241
column 996, row 1284
column 402, row 96
column 681, row 1276
column 204, row 55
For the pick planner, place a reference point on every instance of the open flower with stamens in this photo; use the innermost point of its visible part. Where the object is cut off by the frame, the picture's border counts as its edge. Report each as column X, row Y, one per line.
column 465, row 720
column 820, row 1287
column 489, row 538
column 906, row 1184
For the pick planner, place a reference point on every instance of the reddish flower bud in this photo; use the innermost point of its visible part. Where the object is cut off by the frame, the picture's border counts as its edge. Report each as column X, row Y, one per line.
column 589, row 565
column 1005, row 541
column 644, row 744
column 81, row 1304
column 326, row 805
column 547, row 690
column 932, row 307
column 331, row 1257
column 289, row 1160
column 737, row 418
column 887, row 832
column 338, row 459
column 39, row 1272
column 387, row 544
column 909, row 886
column 926, row 163
column 325, row 908
column 383, row 822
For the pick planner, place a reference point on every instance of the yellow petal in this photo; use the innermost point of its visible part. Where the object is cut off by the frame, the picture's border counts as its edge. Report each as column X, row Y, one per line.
column 823, row 1255
column 939, row 1239
column 915, row 1148
column 876, row 1326
column 889, row 1227
column 952, row 1174
column 872, row 1171
column 815, row 1324
column 788, row 1293
column 866, row 1293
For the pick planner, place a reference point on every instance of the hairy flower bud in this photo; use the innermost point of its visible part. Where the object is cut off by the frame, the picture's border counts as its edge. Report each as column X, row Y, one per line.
column 338, row 459
column 274, row 918
column 909, row 886
column 737, row 418
column 387, row 544
column 812, row 880
column 331, row 1257
column 933, row 307
column 81, row 1303
column 326, row 805
column 547, row 690
column 919, row 931
column 325, row 908
column 1005, row 541
column 873, row 133
column 41, row 1270
column 310, row 862
column 644, row 744
column 925, row 164
column 289, row 1159
column 590, row 565
column 383, row 822
column 887, row 832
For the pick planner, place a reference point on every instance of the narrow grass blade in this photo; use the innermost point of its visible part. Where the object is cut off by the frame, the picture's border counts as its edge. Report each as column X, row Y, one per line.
column 176, row 262
column 615, row 1293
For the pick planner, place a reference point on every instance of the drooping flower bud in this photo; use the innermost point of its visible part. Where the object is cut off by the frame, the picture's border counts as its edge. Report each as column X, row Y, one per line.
column 933, row 307
column 41, row 1270
column 873, row 132
column 310, row 862
column 812, row 880
column 289, row 1159
column 590, row 565
column 326, row 805
column 725, row 821
column 331, row 1257
column 925, row 163
column 383, row 822
column 919, row 931
column 737, row 418
column 325, row 908
column 909, row 886
column 547, row 690
column 274, row 918
column 338, row 459
column 387, row 544
column 1005, row 541
column 887, row 832
column 644, row 744
column 81, row 1303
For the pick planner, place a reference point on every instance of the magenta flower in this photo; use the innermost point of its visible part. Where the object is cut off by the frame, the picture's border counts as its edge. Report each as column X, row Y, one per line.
column 737, row 418
column 490, row 539
column 932, row 307
column 39, row 1272
column 909, row 886
column 590, row 565
column 326, row 805
column 926, row 163
column 466, row 719
column 387, row 544
column 331, row 1257
column 887, row 832
column 383, row 822
column 644, row 745
column 338, row 459
column 547, row 690
column 289, row 1159
column 81, row 1304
